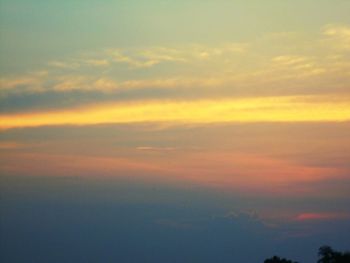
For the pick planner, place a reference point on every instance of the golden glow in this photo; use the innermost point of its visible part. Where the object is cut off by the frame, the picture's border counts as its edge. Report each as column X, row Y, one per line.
column 269, row 109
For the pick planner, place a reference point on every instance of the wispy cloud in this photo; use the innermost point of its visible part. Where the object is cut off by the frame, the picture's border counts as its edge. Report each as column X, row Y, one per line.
column 322, row 216
column 266, row 67
column 156, row 149
column 27, row 83
column 338, row 36
column 8, row 145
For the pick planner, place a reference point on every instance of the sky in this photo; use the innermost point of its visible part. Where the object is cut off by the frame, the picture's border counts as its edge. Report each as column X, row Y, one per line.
column 176, row 131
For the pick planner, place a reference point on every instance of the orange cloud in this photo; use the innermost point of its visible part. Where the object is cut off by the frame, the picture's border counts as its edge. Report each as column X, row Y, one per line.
column 243, row 173
column 248, row 172
column 42, row 164
column 7, row 145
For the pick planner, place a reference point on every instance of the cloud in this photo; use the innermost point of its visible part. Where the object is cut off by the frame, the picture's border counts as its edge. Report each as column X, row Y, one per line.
column 9, row 145
column 78, row 63
column 268, row 109
column 191, row 53
column 231, row 158
column 156, row 149
column 97, row 62
column 338, row 36
column 120, row 57
column 282, row 64
column 322, row 216
column 289, row 60
column 65, row 64
column 69, row 164
column 27, row 83
column 71, row 83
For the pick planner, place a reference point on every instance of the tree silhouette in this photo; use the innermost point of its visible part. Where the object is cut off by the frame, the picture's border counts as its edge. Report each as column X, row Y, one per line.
column 276, row 259
column 327, row 255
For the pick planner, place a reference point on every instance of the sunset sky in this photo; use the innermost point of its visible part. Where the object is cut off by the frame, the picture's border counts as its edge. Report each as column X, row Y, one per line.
column 221, row 126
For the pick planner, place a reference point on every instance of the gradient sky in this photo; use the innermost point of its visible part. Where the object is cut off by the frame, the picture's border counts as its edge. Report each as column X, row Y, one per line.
column 225, row 117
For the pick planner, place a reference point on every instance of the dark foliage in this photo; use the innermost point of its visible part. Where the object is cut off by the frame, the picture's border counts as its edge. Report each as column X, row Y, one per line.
column 276, row 259
column 327, row 255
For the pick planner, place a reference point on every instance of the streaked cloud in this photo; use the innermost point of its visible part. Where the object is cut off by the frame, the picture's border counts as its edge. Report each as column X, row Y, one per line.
column 268, row 109
column 8, row 145
column 156, row 149
column 322, row 216
column 65, row 64
column 277, row 64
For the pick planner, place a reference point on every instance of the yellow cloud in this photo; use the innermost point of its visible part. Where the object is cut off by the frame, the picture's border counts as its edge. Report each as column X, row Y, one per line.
column 339, row 36
column 31, row 82
column 278, row 64
column 269, row 109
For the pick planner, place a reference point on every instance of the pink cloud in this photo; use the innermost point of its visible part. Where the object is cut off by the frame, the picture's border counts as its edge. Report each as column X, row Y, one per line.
column 321, row 216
